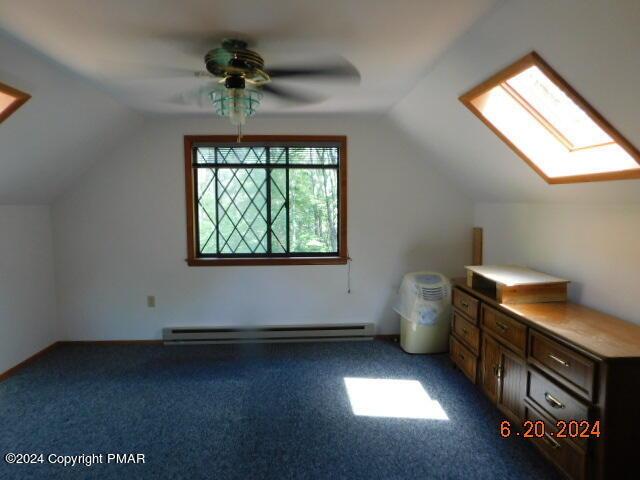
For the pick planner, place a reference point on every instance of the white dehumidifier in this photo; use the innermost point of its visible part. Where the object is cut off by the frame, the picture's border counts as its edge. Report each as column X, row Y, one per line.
column 424, row 306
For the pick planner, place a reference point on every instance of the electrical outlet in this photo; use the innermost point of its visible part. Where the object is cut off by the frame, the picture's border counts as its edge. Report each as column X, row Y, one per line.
column 151, row 301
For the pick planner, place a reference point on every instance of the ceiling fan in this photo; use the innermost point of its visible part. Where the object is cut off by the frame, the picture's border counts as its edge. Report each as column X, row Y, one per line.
column 244, row 79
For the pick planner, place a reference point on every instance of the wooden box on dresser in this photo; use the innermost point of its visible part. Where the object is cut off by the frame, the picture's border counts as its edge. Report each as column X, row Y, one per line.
column 556, row 363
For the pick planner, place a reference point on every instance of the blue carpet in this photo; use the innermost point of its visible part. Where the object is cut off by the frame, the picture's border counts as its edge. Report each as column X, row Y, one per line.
column 248, row 412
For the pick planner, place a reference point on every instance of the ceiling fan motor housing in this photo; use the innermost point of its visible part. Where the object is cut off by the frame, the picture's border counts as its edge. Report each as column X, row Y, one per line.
column 234, row 58
column 234, row 81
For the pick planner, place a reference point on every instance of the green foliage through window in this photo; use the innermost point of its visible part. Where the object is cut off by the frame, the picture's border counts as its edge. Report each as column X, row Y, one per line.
column 267, row 200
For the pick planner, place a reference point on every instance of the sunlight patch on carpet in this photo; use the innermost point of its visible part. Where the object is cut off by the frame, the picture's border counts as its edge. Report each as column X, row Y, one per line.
column 379, row 397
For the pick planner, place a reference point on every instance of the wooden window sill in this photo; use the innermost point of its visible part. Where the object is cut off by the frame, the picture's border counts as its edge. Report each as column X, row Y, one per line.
column 267, row 261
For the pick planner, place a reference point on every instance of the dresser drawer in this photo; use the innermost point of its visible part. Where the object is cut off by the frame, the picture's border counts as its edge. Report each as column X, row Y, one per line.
column 570, row 430
column 507, row 329
column 577, row 370
column 554, row 400
column 466, row 332
column 463, row 358
column 466, row 304
column 566, row 455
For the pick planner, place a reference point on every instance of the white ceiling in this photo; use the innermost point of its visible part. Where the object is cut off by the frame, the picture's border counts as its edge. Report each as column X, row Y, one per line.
column 120, row 44
column 71, row 122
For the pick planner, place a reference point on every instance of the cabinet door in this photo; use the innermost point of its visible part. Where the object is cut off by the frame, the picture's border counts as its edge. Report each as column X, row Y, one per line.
column 491, row 358
column 512, row 385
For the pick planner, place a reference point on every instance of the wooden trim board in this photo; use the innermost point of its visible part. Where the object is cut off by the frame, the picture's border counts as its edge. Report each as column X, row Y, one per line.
column 111, row 342
column 12, row 371
column 395, row 338
column 477, row 246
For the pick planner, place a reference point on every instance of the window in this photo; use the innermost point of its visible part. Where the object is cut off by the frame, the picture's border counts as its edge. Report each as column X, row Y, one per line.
column 266, row 201
column 10, row 100
column 547, row 123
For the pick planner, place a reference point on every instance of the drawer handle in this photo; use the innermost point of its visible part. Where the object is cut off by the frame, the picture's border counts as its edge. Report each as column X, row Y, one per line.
column 497, row 371
column 461, row 356
column 559, row 360
column 501, row 326
column 551, row 441
column 464, row 304
column 465, row 331
column 553, row 401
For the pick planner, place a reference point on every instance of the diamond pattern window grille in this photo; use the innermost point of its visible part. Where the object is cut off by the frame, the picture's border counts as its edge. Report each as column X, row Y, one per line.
column 265, row 200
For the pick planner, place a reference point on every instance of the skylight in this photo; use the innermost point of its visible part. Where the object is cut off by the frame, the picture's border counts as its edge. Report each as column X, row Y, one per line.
column 536, row 113
column 10, row 100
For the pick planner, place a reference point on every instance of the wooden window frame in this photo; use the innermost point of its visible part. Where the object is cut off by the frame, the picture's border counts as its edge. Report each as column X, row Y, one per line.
column 190, row 141
column 20, row 98
column 533, row 59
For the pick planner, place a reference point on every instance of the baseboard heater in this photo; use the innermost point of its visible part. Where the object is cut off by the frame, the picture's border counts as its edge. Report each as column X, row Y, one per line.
column 270, row 334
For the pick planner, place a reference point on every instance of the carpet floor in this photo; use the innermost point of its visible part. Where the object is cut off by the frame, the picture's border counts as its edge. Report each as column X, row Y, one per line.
column 250, row 412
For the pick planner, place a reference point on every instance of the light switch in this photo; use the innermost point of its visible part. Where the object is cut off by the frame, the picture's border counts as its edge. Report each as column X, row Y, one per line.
column 151, row 301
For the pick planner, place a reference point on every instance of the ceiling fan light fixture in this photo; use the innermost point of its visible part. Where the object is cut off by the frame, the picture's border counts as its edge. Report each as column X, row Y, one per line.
column 236, row 104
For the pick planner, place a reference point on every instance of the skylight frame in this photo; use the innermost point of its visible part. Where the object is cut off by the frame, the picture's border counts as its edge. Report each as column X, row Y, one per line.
column 20, row 98
column 530, row 60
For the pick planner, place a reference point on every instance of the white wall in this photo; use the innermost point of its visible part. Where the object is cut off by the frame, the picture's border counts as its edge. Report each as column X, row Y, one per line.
column 58, row 133
column 594, row 246
column 119, row 235
column 27, row 295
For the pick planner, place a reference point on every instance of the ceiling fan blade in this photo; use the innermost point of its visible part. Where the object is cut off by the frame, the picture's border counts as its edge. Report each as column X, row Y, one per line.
column 133, row 70
column 199, row 96
column 291, row 95
column 344, row 71
column 197, row 43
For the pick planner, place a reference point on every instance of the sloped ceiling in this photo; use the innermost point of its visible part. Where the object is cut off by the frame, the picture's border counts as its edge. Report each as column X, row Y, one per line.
column 593, row 44
column 131, row 48
column 58, row 133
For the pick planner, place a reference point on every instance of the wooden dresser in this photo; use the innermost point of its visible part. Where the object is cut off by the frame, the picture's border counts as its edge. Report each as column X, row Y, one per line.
column 553, row 363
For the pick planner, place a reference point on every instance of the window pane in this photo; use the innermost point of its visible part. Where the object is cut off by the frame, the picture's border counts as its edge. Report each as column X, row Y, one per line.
column 206, row 210
column 314, row 155
column 242, row 204
column 278, row 155
column 558, row 109
column 254, row 200
column 231, row 155
column 279, row 210
column 313, row 213
column 205, row 155
column 6, row 101
column 242, row 155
